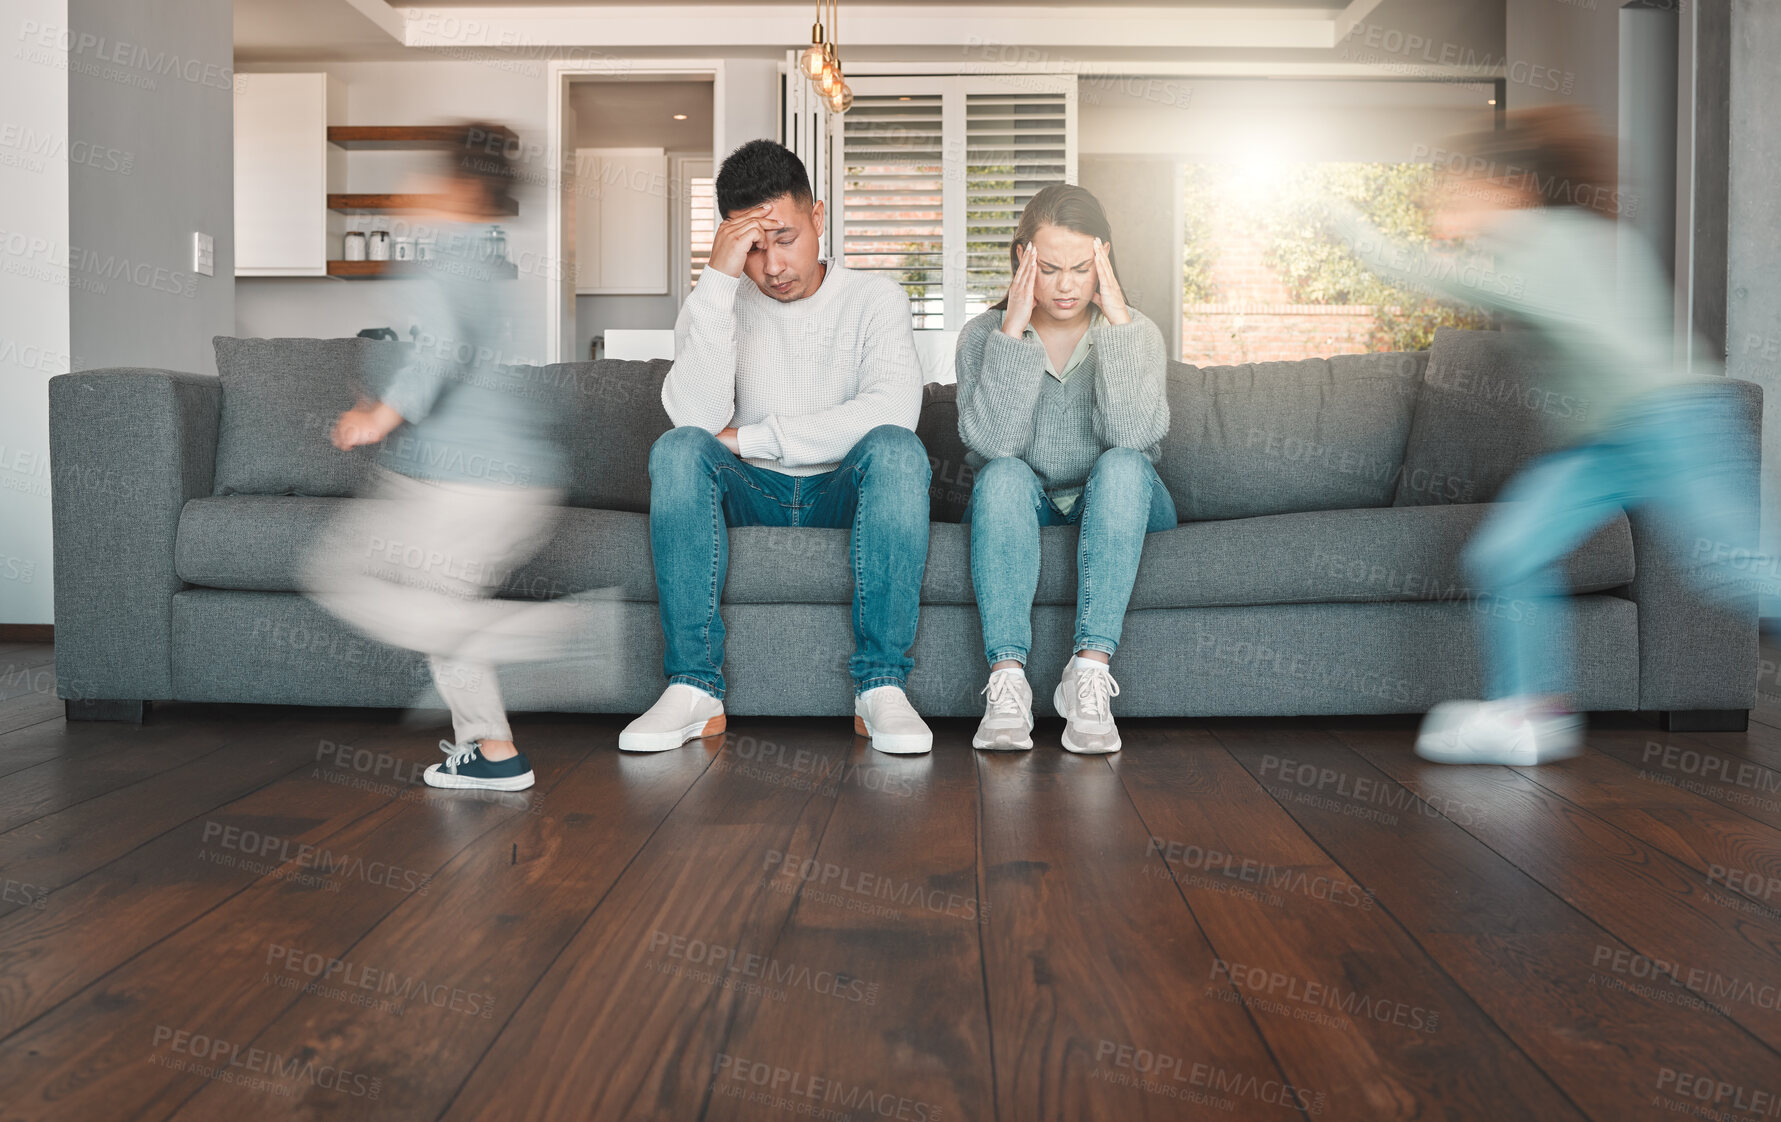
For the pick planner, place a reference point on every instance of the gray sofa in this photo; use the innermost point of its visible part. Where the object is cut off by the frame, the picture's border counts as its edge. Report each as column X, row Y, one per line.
column 1316, row 569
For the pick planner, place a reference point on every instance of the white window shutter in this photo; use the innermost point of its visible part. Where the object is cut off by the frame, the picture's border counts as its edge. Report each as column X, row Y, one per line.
column 806, row 128
column 1015, row 143
column 932, row 173
column 892, row 180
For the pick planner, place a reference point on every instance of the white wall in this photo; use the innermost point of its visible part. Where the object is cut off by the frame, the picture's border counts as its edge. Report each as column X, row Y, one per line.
column 34, row 335
column 145, row 305
column 1222, row 119
column 751, row 103
column 1577, row 42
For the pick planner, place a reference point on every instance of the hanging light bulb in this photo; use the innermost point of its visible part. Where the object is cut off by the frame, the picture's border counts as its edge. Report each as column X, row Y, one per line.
column 842, row 99
column 812, row 59
column 830, row 79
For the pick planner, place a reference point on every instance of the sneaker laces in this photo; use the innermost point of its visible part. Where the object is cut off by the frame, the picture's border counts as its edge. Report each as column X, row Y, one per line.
column 457, row 755
column 1095, row 691
column 1004, row 696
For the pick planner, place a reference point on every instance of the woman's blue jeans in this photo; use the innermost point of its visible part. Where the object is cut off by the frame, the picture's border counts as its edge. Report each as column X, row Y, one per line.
column 699, row 488
column 1122, row 502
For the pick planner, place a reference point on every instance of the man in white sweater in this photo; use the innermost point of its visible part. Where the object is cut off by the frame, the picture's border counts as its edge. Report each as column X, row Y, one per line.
column 795, row 391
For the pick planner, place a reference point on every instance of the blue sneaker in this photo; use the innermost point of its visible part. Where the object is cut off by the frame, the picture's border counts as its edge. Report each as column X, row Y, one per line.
column 465, row 767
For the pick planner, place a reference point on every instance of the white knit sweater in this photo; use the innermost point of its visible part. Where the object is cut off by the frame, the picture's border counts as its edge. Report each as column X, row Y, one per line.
column 801, row 381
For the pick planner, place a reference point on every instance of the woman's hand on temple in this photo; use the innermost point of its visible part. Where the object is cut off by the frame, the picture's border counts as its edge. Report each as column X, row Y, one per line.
column 1108, row 294
column 1020, row 294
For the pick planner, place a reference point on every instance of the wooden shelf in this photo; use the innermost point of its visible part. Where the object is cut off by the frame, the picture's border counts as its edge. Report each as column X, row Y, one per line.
column 404, row 136
column 397, row 204
column 373, row 270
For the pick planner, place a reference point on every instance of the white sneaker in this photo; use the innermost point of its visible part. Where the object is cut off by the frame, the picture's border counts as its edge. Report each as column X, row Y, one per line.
column 1510, row 732
column 1008, row 715
column 1085, row 698
column 885, row 715
column 681, row 714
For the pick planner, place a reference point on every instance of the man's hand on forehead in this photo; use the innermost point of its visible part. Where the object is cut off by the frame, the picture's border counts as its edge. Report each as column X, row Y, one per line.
column 773, row 215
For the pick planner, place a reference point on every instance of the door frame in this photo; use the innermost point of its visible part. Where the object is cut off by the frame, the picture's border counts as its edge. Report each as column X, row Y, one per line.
column 559, row 329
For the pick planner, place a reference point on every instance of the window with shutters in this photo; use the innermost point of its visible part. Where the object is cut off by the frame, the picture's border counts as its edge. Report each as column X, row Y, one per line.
column 931, row 174
column 702, row 225
column 1015, row 143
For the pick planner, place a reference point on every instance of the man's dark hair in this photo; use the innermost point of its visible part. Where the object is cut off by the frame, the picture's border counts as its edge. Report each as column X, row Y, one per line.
column 758, row 171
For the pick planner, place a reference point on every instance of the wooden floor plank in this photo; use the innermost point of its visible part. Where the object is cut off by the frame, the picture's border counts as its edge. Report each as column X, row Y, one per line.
column 1737, row 855
column 1599, row 869
column 1557, row 983
column 1700, row 765
column 109, row 900
column 55, row 738
column 60, row 848
column 1344, row 996
column 512, row 902
column 26, row 672
column 896, row 888
column 209, row 977
column 1097, row 971
column 110, row 760
column 28, row 709
column 630, row 1020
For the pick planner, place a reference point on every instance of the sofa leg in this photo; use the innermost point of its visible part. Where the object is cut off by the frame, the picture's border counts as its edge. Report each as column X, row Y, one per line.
column 1704, row 720
column 104, row 709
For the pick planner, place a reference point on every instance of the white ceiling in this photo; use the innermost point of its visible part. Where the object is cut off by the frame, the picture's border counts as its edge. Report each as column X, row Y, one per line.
column 307, row 29
column 284, row 30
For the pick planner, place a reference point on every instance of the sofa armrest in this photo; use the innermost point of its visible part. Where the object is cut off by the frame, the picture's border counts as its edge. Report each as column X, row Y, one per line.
column 128, row 447
column 1695, row 654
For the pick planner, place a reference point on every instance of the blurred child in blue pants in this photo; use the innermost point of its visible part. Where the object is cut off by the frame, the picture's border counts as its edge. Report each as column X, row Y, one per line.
column 1598, row 310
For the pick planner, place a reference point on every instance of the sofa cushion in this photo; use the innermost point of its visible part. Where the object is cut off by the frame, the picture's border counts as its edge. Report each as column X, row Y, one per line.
column 613, row 413
column 255, row 543
column 1480, row 415
column 1282, row 437
column 1342, row 556
column 280, row 399
column 949, row 491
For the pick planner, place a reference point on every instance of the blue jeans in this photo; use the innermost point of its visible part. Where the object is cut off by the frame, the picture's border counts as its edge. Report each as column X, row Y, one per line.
column 698, row 488
column 1122, row 502
column 1662, row 453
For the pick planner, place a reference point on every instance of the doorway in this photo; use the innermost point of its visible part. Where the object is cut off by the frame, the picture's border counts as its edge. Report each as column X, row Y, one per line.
column 635, row 215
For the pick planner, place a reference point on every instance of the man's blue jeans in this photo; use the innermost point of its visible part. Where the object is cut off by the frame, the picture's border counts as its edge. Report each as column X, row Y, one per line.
column 1664, row 452
column 1121, row 503
column 699, row 488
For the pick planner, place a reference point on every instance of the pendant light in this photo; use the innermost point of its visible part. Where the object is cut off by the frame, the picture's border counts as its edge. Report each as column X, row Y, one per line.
column 811, row 62
column 821, row 62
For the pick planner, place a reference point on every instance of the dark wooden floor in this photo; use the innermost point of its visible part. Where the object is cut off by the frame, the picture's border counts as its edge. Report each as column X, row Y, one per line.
column 240, row 913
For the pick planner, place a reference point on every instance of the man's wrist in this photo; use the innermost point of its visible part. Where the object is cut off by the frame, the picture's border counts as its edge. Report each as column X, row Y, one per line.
column 757, row 442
